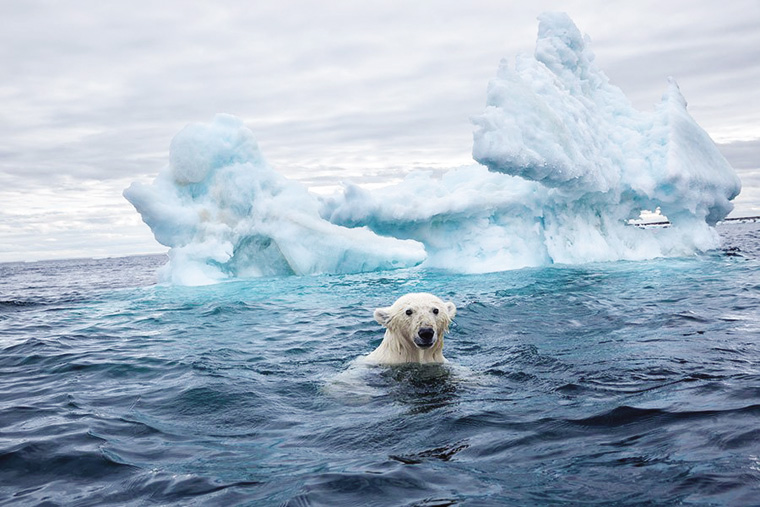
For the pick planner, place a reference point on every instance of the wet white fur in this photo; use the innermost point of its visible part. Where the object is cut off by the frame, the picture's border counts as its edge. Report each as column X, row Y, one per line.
column 398, row 344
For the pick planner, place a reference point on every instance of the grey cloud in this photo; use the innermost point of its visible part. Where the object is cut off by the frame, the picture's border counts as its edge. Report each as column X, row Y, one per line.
column 95, row 90
column 742, row 154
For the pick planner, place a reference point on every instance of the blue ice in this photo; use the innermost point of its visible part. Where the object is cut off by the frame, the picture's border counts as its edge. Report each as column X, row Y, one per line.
column 563, row 162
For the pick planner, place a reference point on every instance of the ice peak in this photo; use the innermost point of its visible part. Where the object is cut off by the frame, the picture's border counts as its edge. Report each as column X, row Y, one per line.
column 566, row 162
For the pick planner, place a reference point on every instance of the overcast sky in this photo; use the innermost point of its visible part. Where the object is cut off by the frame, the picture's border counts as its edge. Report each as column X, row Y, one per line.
column 93, row 91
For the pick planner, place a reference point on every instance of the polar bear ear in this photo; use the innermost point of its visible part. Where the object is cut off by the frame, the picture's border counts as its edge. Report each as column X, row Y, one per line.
column 451, row 309
column 382, row 316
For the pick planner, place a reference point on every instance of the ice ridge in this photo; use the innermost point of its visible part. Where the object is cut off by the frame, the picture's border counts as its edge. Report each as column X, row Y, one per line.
column 564, row 162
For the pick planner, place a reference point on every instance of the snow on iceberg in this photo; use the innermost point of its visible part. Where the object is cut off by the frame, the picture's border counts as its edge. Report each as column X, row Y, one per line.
column 572, row 163
column 555, row 119
column 566, row 160
column 225, row 213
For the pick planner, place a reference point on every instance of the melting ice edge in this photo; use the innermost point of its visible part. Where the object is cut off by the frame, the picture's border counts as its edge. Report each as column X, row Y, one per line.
column 564, row 161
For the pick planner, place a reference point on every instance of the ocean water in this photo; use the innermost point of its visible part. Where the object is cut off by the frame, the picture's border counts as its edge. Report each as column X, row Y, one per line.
column 614, row 383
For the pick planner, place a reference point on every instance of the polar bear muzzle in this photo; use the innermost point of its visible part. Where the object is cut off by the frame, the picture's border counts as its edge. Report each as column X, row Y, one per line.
column 425, row 338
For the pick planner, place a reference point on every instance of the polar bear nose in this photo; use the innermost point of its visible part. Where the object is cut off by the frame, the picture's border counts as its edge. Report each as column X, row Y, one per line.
column 425, row 337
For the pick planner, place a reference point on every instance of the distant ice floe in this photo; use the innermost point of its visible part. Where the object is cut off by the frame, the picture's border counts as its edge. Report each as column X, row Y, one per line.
column 565, row 162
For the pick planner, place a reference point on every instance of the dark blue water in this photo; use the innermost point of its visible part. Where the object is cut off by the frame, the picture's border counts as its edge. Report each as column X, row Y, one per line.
column 616, row 383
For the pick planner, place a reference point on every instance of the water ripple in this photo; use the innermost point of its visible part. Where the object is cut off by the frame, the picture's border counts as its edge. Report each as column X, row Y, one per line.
column 616, row 384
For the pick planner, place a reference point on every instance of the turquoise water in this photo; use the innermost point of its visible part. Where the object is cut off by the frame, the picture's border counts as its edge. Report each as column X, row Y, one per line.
column 615, row 383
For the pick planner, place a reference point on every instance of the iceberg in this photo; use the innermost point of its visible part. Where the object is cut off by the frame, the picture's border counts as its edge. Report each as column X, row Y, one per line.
column 563, row 163
column 555, row 119
column 225, row 213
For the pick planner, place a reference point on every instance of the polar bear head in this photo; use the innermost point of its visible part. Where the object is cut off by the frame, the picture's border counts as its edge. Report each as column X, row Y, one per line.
column 417, row 320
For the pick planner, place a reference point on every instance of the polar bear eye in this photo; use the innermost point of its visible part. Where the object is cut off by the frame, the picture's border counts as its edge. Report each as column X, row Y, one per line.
column 409, row 312
column 435, row 311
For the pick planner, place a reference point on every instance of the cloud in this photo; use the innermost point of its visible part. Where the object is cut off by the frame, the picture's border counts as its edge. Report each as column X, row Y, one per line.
column 94, row 91
column 742, row 154
column 70, row 218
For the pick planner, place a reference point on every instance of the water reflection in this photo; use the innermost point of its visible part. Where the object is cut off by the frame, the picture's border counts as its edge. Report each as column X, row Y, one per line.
column 420, row 388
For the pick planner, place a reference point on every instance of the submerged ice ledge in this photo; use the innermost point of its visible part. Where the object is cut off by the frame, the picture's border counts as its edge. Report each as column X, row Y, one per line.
column 565, row 162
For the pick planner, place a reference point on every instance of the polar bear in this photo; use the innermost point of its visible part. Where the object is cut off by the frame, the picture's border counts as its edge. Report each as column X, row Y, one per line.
column 415, row 325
